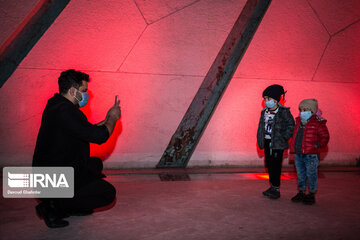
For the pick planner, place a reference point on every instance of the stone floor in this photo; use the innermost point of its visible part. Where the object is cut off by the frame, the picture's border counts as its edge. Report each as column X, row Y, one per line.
column 203, row 204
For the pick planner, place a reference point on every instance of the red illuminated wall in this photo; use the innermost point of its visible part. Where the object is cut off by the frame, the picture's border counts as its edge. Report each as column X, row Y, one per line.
column 154, row 54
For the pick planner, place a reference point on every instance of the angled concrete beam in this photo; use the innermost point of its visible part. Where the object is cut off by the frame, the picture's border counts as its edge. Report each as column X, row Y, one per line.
column 26, row 35
column 188, row 133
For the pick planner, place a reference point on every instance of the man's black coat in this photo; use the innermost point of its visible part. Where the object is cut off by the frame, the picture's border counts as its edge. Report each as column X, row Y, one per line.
column 64, row 137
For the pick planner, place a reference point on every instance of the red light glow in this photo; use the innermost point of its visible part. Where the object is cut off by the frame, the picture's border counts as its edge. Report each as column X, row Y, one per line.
column 265, row 176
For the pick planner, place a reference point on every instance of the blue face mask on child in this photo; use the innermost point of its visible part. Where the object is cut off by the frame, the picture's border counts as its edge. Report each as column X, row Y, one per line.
column 84, row 100
column 270, row 103
column 306, row 115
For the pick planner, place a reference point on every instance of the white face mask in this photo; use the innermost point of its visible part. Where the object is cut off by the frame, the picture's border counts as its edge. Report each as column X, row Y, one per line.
column 270, row 103
column 306, row 115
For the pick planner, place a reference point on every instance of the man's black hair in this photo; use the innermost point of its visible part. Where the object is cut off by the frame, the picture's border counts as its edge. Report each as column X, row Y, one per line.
column 71, row 78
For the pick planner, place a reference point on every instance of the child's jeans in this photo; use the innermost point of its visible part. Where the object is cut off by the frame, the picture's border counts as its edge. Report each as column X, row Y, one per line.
column 306, row 168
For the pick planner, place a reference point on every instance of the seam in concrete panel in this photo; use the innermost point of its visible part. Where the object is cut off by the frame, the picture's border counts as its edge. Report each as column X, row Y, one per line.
column 175, row 11
column 147, row 23
column 180, row 75
column 321, row 58
column 122, row 72
column 4, row 13
column 41, row 68
column 24, row 120
column 137, row 40
column 296, row 80
column 340, row 82
column 274, row 79
column 163, row 74
column 318, row 17
column 343, row 29
column 64, row 69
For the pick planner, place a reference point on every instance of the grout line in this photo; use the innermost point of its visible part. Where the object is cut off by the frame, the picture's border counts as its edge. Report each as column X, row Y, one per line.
column 321, row 58
column 164, row 74
column 177, row 10
column 345, row 82
column 132, row 48
column 184, row 75
column 293, row 80
column 122, row 72
column 343, row 29
column 141, row 12
column 64, row 69
column 26, row 119
column 318, row 17
column 273, row 79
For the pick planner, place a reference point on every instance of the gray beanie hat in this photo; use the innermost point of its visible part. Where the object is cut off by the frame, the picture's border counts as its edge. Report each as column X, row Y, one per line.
column 311, row 104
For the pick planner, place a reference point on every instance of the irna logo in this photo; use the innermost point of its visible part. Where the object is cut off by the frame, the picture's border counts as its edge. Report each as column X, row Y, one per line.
column 18, row 180
column 38, row 182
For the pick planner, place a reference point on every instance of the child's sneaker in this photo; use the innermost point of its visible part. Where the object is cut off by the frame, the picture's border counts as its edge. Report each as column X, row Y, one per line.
column 309, row 199
column 274, row 193
column 298, row 197
column 267, row 192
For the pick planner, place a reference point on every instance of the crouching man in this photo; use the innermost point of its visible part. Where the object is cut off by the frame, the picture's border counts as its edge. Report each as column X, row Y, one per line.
column 64, row 140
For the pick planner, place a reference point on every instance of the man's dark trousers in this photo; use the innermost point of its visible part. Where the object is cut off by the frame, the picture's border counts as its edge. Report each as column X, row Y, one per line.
column 91, row 191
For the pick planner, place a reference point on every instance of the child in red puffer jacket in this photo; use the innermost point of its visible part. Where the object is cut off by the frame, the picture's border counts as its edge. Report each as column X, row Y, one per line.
column 310, row 134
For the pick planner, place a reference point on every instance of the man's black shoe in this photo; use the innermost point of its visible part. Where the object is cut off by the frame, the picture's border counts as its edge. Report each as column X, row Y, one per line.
column 299, row 197
column 46, row 211
column 309, row 199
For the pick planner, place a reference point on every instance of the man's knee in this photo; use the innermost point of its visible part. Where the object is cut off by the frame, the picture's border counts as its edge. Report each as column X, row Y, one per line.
column 96, row 163
column 110, row 193
column 95, row 167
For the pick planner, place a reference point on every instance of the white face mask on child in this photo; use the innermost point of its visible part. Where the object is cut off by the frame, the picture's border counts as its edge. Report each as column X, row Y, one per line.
column 306, row 115
column 270, row 103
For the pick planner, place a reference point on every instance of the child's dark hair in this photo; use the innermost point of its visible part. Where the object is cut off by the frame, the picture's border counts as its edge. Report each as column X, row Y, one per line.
column 71, row 78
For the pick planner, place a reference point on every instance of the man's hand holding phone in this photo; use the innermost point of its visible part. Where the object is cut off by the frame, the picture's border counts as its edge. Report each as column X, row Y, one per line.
column 112, row 116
